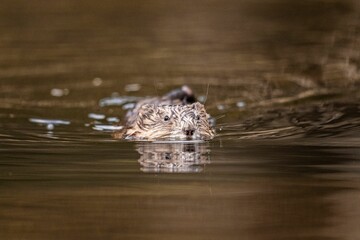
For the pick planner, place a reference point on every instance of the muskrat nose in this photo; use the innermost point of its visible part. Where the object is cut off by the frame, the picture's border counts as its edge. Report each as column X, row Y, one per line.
column 189, row 132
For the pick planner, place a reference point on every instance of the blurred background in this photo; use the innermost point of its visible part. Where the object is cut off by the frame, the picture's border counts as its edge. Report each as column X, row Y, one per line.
column 247, row 51
column 280, row 77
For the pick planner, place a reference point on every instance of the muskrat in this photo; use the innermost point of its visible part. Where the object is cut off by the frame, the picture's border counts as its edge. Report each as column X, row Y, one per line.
column 175, row 116
column 173, row 157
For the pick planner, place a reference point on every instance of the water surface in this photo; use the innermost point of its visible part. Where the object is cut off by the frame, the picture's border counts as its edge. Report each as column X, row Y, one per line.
column 283, row 85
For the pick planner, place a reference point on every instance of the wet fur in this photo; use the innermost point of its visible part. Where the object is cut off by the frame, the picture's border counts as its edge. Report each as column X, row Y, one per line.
column 147, row 120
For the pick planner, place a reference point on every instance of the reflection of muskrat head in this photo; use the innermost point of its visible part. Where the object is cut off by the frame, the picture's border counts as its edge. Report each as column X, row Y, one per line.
column 173, row 157
column 178, row 122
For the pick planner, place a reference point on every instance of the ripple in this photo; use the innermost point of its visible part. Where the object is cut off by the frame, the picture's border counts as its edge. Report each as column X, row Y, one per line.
column 96, row 116
column 116, row 101
column 113, row 119
column 107, row 128
column 42, row 121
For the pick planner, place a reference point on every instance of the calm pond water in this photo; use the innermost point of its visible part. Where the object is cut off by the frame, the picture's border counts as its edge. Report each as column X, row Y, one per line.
column 281, row 79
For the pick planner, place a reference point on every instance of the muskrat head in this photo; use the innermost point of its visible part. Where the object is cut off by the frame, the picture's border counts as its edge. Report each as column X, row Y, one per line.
column 174, row 122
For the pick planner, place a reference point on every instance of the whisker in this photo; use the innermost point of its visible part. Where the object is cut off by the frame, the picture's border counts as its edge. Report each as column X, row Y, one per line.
column 207, row 92
column 219, row 117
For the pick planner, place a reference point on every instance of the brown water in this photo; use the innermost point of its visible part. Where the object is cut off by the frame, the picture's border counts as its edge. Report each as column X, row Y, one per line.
column 283, row 85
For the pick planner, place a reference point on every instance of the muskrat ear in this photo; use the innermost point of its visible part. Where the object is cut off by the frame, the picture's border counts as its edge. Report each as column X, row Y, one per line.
column 147, row 108
column 197, row 106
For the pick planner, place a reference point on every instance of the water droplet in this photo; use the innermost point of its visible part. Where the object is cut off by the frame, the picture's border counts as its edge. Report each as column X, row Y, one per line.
column 113, row 119
column 96, row 116
column 201, row 98
column 132, row 87
column 97, row 82
column 128, row 106
column 57, row 92
column 240, row 104
column 221, row 107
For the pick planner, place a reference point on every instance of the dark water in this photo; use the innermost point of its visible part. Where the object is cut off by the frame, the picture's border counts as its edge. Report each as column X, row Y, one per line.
column 283, row 83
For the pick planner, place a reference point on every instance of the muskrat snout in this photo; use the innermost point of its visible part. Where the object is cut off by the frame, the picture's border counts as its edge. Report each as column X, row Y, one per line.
column 189, row 132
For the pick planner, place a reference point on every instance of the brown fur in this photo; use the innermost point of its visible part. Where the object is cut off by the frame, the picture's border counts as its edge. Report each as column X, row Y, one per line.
column 172, row 122
column 175, row 116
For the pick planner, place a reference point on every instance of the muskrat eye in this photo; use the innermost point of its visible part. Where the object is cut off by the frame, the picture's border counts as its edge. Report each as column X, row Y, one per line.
column 166, row 118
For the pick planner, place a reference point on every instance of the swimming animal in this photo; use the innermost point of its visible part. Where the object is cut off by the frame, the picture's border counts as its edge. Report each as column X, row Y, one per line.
column 175, row 116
